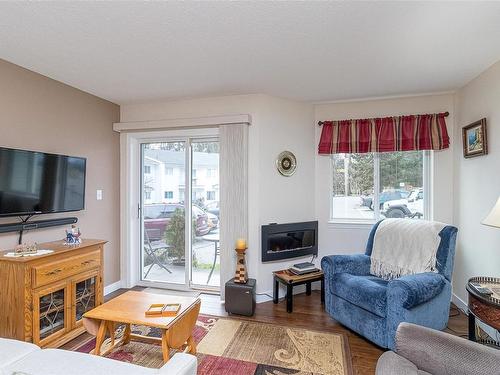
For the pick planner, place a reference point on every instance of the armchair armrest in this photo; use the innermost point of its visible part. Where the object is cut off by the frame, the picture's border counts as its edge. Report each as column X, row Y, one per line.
column 357, row 264
column 412, row 290
column 180, row 364
column 441, row 353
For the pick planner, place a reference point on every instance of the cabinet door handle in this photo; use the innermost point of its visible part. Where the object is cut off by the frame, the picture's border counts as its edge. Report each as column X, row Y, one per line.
column 55, row 272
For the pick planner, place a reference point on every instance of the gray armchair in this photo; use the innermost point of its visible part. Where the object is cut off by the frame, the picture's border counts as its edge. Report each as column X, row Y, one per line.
column 424, row 351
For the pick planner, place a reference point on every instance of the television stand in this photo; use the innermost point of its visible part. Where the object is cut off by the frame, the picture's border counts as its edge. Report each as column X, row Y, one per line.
column 45, row 296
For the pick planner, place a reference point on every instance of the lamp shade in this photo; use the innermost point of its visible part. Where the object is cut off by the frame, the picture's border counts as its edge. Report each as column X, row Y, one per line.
column 493, row 218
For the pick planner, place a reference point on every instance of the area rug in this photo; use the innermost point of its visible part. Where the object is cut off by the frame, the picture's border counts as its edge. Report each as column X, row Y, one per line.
column 231, row 346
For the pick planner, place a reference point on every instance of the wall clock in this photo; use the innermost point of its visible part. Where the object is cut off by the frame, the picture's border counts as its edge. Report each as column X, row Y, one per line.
column 286, row 163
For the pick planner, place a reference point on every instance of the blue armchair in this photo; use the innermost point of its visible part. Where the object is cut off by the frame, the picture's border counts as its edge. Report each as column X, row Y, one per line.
column 374, row 307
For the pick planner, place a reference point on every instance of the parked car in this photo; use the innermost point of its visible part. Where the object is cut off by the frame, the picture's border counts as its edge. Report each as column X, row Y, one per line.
column 385, row 196
column 213, row 208
column 416, row 195
column 411, row 207
column 366, row 201
column 157, row 217
column 213, row 221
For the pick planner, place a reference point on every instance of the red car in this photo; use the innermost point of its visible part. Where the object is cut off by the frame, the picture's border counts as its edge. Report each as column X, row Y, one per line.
column 157, row 216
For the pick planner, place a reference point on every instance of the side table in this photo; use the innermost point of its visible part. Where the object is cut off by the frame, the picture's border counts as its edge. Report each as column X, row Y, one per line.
column 485, row 308
column 289, row 279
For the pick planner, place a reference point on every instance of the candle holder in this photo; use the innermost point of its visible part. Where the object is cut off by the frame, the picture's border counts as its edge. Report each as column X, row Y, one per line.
column 241, row 275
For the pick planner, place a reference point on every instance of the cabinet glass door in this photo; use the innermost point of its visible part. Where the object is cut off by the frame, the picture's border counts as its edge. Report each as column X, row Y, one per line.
column 51, row 309
column 85, row 296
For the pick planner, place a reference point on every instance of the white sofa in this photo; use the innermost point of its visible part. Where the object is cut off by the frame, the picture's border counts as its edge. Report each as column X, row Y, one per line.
column 25, row 358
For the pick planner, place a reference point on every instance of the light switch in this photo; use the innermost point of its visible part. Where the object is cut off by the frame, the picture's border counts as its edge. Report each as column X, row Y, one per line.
column 99, row 195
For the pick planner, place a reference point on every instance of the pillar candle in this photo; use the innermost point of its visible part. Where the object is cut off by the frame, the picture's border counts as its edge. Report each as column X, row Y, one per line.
column 241, row 244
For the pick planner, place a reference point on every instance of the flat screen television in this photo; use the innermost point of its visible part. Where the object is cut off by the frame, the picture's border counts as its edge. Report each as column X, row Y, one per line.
column 39, row 183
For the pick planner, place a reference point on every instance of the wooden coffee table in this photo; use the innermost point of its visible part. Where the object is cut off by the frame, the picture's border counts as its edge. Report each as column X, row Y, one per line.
column 129, row 308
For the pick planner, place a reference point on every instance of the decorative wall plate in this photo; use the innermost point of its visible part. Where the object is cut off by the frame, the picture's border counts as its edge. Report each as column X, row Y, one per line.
column 286, row 163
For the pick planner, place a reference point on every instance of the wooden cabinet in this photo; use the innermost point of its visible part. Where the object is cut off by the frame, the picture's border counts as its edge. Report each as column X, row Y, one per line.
column 44, row 297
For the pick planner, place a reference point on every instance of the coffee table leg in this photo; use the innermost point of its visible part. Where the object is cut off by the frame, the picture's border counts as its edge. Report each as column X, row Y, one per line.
column 100, row 337
column 276, row 290
column 192, row 345
column 164, row 346
column 111, row 331
column 126, row 334
column 289, row 296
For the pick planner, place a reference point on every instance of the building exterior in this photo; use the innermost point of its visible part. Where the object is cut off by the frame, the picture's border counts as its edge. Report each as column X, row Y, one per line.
column 164, row 176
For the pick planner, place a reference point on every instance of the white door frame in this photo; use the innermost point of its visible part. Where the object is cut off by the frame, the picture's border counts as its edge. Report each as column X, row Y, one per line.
column 130, row 199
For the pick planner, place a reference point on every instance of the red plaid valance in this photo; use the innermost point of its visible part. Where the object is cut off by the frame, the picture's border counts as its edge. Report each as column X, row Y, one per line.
column 402, row 133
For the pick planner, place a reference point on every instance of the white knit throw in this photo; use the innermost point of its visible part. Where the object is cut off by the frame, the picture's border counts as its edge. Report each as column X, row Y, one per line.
column 405, row 247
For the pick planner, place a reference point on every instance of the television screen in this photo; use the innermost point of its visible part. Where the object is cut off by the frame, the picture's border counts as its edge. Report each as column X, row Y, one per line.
column 39, row 183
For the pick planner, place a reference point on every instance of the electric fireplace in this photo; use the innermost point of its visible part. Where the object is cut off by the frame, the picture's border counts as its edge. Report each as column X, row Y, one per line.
column 283, row 241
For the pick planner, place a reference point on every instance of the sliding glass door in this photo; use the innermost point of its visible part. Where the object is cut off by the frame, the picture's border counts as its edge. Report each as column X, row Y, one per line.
column 179, row 213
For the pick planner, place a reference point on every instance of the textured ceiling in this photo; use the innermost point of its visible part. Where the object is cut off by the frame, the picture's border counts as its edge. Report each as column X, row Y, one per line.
column 314, row 51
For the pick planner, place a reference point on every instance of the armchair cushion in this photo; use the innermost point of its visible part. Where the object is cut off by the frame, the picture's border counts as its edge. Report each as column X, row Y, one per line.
column 440, row 353
column 390, row 363
column 368, row 292
column 357, row 264
column 412, row 290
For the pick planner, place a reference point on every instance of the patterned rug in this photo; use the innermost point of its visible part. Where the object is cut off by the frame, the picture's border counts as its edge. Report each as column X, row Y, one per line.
column 230, row 346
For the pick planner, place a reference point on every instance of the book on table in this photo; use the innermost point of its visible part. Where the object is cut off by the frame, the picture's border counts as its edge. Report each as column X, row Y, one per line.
column 162, row 309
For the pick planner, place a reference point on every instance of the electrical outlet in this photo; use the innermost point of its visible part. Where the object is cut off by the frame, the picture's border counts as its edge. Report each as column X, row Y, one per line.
column 99, row 195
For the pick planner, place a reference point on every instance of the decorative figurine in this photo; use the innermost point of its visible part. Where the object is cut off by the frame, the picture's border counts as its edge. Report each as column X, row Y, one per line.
column 241, row 275
column 19, row 250
column 73, row 236
column 26, row 249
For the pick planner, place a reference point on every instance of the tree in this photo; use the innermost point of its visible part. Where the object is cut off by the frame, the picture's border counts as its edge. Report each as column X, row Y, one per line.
column 401, row 167
column 395, row 168
column 174, row 235
column 361, row 174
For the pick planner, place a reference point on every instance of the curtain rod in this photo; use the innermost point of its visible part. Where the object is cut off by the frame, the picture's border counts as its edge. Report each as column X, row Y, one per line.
column 446, row 114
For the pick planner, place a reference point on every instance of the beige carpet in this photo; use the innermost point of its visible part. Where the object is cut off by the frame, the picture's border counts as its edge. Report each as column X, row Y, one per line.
column 230, row 346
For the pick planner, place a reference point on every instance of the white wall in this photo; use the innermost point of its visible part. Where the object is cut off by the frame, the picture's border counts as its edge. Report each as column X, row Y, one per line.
column 277, row 125
column 280, row 124
column 351, row 238
column 477, row 182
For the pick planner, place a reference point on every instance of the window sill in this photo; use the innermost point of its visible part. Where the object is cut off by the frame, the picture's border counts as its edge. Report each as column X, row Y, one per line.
column 350, row 224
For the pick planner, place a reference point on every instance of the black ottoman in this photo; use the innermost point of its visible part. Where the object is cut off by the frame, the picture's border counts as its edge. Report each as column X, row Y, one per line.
column 240, row 298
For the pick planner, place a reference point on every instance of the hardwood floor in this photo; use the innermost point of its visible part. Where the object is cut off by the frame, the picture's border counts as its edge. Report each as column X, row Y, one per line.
column 307, row 313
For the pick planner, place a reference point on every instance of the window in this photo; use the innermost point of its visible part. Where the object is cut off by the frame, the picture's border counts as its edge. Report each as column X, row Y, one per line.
column 210, row 195
column 194, row 173
column 211, row 172
column 169, row 171
column 369, row 187
column 169, row 195
column 147, row 169
column 147, row 195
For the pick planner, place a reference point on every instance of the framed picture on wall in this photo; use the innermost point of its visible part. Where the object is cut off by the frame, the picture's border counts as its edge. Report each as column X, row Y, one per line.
column 475, row 139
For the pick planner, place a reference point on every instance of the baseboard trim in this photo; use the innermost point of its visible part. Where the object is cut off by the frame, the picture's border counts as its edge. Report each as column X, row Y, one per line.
column 460, row 303
column 112, row 287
